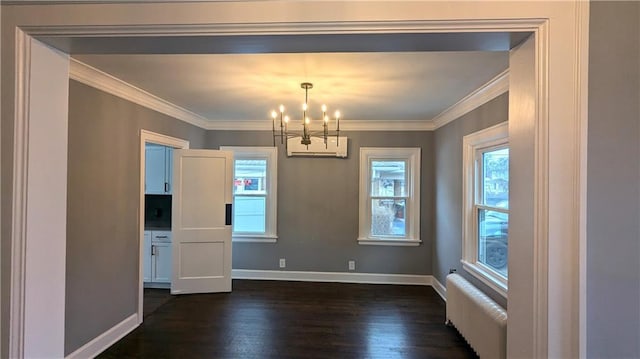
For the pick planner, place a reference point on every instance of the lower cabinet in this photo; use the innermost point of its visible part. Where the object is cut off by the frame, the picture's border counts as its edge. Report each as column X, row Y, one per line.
column 157, row 257
column 161, row 262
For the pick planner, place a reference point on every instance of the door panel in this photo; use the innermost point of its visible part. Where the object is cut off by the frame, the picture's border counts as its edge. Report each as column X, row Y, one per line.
column 162, row 262
column 202, row 184
column 146, row 254
column 202, row 259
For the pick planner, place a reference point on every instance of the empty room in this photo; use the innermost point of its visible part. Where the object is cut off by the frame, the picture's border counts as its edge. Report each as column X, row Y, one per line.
column 284, row 179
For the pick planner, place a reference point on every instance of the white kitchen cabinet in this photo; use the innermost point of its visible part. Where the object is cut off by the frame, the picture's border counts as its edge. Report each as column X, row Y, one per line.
column 158, row 169
column 146, row 256
column 157, row 257
column 161, row 272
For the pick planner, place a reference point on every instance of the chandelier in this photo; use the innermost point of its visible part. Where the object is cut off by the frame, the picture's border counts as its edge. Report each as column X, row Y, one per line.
column 306, row 133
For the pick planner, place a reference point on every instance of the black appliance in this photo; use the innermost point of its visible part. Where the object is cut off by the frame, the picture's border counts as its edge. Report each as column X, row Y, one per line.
column 157, row 211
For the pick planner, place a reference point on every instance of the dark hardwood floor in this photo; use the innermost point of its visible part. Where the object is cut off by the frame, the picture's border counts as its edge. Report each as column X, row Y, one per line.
column 275, row 319
column 154, row 299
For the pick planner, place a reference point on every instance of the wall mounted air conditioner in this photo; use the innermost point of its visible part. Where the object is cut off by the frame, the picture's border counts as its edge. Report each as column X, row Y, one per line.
column 317, row 148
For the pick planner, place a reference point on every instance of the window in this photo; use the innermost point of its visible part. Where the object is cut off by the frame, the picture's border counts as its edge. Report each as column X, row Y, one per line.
column 486, row 206
column 389, row 196
column 254, row 193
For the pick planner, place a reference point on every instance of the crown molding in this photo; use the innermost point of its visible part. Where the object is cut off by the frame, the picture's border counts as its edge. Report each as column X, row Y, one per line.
column 390, row 125
column 100, row 80
column 345, row 125
column 485, row 93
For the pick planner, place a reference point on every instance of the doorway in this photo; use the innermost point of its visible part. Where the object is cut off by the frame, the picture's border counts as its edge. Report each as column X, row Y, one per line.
column 154, row 226
column 560, row 174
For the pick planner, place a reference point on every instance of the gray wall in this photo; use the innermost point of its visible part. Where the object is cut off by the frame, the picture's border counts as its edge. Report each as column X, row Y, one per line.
column 613, row 199
column 318, row 209
column 447, row 245
column 102, row 207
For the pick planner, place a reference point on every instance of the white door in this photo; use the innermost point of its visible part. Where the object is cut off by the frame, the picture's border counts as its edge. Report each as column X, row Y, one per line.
column 201, row 221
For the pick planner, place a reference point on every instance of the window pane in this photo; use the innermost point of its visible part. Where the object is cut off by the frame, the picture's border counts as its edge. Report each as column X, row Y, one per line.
column 387, row 217
column 493, row 238
column 388, row 178
column 249, row 214
column 495, row 165
column 250, row 177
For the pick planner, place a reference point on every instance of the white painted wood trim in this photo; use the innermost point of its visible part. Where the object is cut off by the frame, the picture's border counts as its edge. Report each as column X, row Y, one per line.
column 542, row 170
column 270, row 154
column 106, row 339
column 100, row 80
column 471, row 143
column 439, row 288
column 389, row 242
column 582, row 61
column 485, row 93
column 485, row 277
column 103, row 81
column 356, row 125
column 160, row 139
column 46, row 234
column 253, row 239
column 564, row 83
column 413, row 157
column 340, row 277
column 19, row 200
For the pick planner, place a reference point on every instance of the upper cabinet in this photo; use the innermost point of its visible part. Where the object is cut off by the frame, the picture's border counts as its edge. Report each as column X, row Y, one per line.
column 158, row 169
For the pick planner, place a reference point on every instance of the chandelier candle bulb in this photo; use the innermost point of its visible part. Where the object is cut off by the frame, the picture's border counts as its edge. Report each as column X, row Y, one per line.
column 307, row 132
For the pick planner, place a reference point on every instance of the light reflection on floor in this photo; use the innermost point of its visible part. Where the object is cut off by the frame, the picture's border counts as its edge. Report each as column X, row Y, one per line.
column 250, row 329
column 386, row 337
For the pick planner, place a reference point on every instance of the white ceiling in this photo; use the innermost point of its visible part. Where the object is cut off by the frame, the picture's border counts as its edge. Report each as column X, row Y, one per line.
column 372, row 86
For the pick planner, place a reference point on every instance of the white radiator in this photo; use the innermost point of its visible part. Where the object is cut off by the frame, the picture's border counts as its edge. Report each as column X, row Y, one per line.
column 480, row 320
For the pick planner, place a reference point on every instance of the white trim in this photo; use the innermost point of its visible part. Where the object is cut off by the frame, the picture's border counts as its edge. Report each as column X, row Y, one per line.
column 106, row 339
column 485, row 276
column 483, row 94
column 439, row 288
column 471, row 143
column 390, row 125
column 389, row 242
column 542, row 212
column 355, row 125
column 412, row 156
column 582, row 105
column 340, row 277
column 555, row 71
column 19, row 200
column 100, row 80
column 253, row 239
column 271, row 221
column 160, row 139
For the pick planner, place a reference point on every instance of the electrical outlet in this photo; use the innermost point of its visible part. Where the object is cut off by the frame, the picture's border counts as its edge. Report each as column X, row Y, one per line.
column 352, row 265
column 283, row 263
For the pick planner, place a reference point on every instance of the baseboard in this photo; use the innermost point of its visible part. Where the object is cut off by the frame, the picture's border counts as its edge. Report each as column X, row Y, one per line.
column 439, row 288
column 106, row 339
column 341, row 277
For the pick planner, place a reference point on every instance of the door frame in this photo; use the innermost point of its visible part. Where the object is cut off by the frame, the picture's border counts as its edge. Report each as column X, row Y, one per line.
column 560, row 128
column 147, row 136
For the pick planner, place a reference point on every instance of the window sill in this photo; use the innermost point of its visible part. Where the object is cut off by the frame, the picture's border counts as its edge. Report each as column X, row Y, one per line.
column 389, row 242
column 485, row 277
column 254, row 239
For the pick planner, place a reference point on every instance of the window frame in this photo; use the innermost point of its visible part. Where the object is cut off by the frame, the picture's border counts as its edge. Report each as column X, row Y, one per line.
column 474, row 146
column 412, row 157
column 270, row 154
